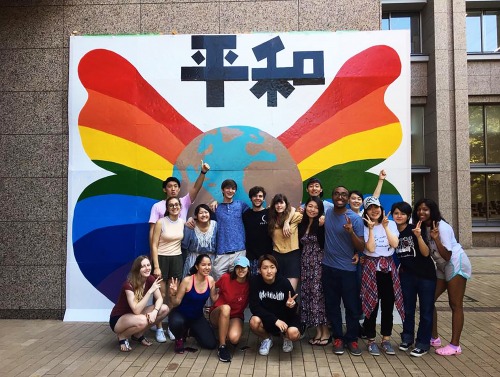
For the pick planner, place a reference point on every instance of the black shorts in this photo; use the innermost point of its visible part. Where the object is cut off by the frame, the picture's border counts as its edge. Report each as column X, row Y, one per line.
column 113, row 320
column 171, row 266
column 293, row 320
column 288, row 264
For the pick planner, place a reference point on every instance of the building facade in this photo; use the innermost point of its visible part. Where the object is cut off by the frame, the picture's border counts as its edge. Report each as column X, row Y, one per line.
column 455, row 91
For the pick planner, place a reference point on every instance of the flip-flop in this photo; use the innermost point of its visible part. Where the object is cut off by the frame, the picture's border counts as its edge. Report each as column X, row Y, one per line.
column 323, row 342
column 314, row 341
column 143, row 340
column 124, row 345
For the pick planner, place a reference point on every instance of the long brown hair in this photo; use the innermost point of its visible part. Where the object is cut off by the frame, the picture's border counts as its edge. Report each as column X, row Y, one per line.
column 277, row 220
column 135, row 279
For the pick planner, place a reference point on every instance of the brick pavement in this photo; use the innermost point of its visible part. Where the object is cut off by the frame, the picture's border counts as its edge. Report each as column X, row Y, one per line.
column 55, row 348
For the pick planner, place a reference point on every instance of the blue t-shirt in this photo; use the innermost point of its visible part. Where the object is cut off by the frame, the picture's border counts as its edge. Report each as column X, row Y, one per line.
column 339, row 248
column 230, row 229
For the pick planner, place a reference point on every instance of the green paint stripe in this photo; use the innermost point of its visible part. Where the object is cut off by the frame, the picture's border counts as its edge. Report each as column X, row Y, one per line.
column 127, row 181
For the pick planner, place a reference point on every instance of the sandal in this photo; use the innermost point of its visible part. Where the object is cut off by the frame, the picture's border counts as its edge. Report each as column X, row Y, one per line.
column 314, row 341
column 324, row 342
column 143, row 340
column 124, row 345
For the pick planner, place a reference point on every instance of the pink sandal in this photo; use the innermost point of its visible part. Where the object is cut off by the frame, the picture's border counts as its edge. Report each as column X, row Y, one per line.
column 449, row 351
column 436, row 342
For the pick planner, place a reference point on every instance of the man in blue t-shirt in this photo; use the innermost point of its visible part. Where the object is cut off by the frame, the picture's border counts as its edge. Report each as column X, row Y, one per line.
column 343, row 238
column 230, row 229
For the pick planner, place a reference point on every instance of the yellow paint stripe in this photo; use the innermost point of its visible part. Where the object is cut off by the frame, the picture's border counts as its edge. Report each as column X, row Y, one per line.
column 103, row 146
column 378, row 143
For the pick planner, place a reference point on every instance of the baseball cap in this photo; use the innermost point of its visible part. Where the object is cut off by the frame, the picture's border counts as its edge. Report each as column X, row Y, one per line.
column 242, row 262
column 371, row 200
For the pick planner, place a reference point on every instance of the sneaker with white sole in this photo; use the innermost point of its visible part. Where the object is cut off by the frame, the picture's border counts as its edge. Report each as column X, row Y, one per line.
column 287, row 345
column 170, row 335
column 387, row 347
column 160, row 336
column 224, row 354
column 418, row 352
column 405, row 346
column 373, row 348
column 265, row 346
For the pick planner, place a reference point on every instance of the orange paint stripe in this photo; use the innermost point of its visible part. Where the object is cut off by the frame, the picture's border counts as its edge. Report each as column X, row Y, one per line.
column 368, row 113
column 116, row 117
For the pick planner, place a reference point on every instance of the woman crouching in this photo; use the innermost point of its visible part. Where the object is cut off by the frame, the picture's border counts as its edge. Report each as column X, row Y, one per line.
column 132, row 315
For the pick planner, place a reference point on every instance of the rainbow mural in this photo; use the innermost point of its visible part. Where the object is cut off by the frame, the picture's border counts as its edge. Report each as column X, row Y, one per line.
column 137, row 138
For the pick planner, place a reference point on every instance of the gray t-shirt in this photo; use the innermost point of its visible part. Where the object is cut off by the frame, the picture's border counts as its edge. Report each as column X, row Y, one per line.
column 339, row 248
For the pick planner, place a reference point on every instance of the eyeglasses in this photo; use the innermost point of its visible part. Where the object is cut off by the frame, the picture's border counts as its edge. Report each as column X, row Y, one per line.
column 341, row 194
column 174, row 205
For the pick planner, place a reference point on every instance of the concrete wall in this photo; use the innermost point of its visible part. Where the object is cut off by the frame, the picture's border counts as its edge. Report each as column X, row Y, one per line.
column 34, row 39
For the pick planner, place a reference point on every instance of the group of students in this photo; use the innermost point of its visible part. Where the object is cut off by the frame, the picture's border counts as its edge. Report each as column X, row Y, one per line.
column 300, row 265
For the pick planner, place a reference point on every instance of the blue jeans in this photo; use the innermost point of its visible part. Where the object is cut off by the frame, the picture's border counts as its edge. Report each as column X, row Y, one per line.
column 341, row 285
column 413, row 287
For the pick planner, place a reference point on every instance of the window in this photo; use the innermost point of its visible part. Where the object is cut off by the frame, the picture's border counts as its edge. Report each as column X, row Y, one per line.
column 483, row 31
column 417, row 135
column 419, row 170
column 484, row 144
column 404, row 21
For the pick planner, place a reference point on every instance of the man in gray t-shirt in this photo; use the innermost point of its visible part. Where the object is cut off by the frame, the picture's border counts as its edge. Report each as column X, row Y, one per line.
column 343, row 238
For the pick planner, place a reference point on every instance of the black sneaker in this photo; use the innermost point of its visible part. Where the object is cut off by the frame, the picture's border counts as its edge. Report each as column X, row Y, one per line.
column 224, row 354
column 338, row 347
column 404, row 346
column 354, row 349
column 418, row 352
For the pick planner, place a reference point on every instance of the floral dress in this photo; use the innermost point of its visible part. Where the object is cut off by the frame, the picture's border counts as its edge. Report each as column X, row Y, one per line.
column 312, row 310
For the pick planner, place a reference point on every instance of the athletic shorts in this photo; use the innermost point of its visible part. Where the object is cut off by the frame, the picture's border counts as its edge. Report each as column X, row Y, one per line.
column 459, row 264
column 171, row 266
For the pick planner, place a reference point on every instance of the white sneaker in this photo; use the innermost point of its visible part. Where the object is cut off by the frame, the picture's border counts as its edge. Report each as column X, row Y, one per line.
column 170, row 335
column 160, row 336
column 287, row 345
column 265, row 346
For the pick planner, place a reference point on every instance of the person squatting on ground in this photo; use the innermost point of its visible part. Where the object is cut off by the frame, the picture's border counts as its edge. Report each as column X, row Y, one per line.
column 132, row 315
column 273, row 307
column 227, row 314
column 453, row 269
column 188, row 300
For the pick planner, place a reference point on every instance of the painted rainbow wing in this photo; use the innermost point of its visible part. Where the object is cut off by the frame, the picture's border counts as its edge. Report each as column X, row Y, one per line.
column 350, row 129
column 130, row 130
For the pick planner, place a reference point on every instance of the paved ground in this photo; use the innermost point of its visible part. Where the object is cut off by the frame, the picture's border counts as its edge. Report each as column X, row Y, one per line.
column 36, row 348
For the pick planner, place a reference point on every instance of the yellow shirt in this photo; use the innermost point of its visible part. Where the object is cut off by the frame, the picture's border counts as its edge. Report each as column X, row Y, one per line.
column 282, row 244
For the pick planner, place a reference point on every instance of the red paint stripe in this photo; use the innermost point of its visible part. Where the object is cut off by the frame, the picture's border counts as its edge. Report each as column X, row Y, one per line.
column 362, row 74
column 106, row 72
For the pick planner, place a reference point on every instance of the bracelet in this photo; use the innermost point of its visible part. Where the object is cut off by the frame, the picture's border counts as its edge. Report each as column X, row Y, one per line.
column 203, row 172
column 158, row 310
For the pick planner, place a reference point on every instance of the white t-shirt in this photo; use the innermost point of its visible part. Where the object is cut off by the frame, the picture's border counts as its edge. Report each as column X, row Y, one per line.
column 382, row 247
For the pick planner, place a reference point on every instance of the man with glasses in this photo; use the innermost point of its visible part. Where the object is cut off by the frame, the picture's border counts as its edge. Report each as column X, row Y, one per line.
column 343, row 238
